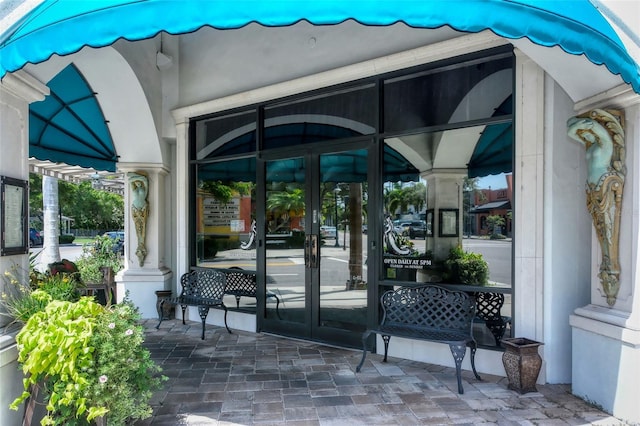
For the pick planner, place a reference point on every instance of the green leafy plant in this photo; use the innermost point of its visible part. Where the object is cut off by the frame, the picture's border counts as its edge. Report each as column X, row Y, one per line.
column 95, row 255
column 26, row 293
column 89, row 361
column 466, row 268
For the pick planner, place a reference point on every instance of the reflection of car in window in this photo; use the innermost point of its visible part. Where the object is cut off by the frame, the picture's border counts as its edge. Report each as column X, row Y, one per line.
column 327, row 231
column 416, row 229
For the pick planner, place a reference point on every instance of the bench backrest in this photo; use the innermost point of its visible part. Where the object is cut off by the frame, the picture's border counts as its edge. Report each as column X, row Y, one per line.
column 428, row 306
column 240, row 281
column 203, row 284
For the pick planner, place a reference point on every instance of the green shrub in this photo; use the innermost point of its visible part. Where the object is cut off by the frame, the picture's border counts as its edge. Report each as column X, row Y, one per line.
column 95, row 255
column 66, row 239
column 102, row 369
column 25, row 296
column 466, row 268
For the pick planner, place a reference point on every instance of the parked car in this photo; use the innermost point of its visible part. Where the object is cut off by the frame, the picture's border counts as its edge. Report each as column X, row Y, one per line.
column 399, row 226
column 416, row 229
column 328, row 231
column 118, row 240
column 35, row 239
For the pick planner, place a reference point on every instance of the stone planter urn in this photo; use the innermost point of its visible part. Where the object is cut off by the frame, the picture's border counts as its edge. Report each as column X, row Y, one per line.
column 522, row 363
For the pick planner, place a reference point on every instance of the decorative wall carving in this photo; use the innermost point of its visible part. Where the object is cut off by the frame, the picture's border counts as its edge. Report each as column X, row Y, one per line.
column 139, row 186
column 602, row 134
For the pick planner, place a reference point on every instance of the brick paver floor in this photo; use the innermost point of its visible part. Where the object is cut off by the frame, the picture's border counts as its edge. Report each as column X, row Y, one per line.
column 257, row 379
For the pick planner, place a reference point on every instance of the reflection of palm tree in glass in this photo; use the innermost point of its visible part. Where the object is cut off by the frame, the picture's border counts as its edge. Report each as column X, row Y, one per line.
column 402, row 196
column 283, row 205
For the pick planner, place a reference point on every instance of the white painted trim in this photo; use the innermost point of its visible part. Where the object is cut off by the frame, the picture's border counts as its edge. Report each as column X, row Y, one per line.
column 604, row 327
column 620, row 97
column 24, row 86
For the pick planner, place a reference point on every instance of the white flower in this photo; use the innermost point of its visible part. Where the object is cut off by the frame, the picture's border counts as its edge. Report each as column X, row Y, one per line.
column 102, row 379
column 129, row 332
column 112, row 325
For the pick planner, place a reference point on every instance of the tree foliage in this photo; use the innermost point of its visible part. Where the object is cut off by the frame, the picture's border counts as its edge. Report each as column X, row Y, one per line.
column 89, row 208
column 401, row 196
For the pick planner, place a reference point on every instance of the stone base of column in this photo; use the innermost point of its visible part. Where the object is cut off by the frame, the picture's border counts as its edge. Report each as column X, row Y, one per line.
column 606, row 361
column 140, row 286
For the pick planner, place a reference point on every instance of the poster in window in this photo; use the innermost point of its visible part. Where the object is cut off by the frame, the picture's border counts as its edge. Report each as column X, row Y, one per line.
column 15, row 209
column 448, row 223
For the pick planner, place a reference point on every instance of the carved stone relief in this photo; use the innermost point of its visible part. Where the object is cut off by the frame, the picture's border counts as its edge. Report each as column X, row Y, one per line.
column 139, row 187
column 602, row 134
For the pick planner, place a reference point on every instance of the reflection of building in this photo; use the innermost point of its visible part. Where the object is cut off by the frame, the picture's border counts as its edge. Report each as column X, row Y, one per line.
column 492, row 202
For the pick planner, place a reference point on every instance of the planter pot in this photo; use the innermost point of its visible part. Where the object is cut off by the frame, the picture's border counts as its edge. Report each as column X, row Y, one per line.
column 522, row 363
column 165, row 310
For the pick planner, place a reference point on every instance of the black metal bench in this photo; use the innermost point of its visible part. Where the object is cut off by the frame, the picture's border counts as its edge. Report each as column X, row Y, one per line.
column 242, row 283
column 488, row 310
column 430, row 313
column 203, row 288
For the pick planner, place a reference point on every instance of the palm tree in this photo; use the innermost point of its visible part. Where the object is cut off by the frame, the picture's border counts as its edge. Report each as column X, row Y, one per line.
column 283, row 204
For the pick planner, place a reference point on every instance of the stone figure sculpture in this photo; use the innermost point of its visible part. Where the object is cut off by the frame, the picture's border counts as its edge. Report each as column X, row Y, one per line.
column 601, row 132
column 139, row 184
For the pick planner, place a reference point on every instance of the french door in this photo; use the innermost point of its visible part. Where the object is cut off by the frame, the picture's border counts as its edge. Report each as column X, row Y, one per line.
column 315, row 249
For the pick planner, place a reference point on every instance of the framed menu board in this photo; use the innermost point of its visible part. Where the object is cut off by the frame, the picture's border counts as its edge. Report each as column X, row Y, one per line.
column 14, row 229
column 448, row 225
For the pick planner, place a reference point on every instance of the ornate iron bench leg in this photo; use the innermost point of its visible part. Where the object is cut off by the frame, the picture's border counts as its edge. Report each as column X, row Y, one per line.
column 184, row 312
column 203, row 311
column 277, row 303
column 458, row 352
column 225, row 318
column 386, row 339
column 365, row 336
column 473, row 347
column 160, row 316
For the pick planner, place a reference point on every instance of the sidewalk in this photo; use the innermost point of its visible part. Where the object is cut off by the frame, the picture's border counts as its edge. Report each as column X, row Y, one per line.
column 256, row 379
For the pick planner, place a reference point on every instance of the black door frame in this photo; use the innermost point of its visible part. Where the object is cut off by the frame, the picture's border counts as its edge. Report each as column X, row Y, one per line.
column 311, row 329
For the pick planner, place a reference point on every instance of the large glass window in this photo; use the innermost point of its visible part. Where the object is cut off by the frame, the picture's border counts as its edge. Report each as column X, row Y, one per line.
column 454, row 94
column 446, row 190
column 225, row 219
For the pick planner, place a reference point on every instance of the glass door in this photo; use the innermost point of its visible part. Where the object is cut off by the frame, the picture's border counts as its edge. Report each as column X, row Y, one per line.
column 316, row 245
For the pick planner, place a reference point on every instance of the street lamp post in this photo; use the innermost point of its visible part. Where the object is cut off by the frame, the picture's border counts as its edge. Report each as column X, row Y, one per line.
column 335, row 201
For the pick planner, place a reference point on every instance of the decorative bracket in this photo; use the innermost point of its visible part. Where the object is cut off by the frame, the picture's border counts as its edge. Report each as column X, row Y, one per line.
column 602, row 134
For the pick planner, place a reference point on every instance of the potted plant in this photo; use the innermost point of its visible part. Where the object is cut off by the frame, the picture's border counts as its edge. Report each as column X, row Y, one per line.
column 466, row 268
column 86, row 360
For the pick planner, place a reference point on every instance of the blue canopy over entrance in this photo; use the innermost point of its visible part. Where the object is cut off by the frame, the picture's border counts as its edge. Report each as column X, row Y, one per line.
column 64, row 27
column 69, row 127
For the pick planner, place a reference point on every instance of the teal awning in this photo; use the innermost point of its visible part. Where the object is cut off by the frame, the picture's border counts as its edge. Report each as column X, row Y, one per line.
column 64, row 26
column 68, row 125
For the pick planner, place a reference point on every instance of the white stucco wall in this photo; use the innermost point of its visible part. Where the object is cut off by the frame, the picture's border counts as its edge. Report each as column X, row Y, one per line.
column 567, row 233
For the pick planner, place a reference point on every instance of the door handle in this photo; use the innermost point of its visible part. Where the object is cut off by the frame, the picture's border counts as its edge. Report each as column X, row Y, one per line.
column 307, row 251
column 313, row 251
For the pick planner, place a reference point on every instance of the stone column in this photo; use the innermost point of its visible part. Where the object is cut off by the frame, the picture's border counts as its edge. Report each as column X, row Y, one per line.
column 147, row 221
column 17, row 91
column 606, row 336
column 444, row 197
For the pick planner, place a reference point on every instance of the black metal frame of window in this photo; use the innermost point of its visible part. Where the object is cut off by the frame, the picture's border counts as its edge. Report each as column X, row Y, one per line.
column 379, row 134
